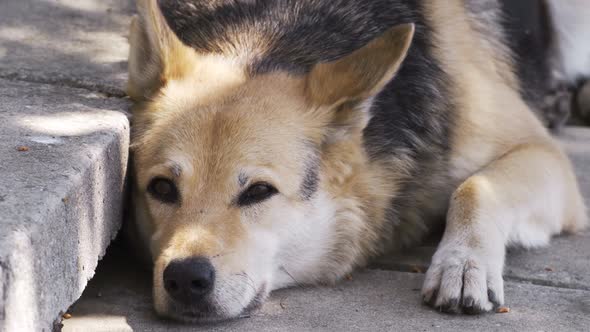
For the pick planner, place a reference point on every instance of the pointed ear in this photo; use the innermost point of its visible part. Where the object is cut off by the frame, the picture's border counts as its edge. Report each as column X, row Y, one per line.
column 156, row 55
column 362, row 74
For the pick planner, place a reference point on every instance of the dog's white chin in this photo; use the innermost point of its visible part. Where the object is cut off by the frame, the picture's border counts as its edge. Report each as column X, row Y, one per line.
column 217, row 310
column 189, row 315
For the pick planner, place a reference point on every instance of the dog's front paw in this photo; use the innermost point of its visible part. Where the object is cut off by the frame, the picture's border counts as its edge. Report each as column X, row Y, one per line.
column 464, row 280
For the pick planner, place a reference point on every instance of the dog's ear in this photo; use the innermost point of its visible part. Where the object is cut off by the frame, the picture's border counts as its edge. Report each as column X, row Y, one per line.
column 348, row 83
column 362, row 74
column 156, row 54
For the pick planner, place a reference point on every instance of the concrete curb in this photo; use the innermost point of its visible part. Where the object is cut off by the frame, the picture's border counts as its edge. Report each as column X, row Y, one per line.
column 63, row 156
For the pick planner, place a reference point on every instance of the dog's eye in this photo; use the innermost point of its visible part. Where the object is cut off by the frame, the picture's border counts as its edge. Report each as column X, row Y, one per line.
column 256, row 193
column 163, row 190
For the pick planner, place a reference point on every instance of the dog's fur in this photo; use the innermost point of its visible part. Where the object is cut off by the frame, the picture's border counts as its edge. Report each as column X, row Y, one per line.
column 374, row 120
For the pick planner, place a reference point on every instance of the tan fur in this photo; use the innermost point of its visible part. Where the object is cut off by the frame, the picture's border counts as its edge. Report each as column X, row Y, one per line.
column 222, row 118
column 156, row 54
column 518, row 187
column 362, row 195
column 484, row 98
column 219, row 137
column 203, row 121
column 356, row 184
column 355, row 78
column 481, row 91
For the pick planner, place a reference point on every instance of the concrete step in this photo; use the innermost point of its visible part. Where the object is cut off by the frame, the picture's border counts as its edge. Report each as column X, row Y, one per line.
column 63, row 156
column 61, row 195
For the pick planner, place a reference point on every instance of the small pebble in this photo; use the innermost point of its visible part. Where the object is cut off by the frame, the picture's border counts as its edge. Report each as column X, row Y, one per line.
column 67, row 316
column 503, row 310
column 22, row 148
column 416, row 269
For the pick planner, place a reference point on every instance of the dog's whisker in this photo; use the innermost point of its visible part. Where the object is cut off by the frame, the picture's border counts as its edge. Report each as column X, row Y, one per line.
column 297, row 283
column 249, row 280
column 222, row 254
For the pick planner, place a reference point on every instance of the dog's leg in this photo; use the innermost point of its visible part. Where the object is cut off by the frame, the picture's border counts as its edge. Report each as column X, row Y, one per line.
column 583, row 101
column 556, row 107
column 522, row 198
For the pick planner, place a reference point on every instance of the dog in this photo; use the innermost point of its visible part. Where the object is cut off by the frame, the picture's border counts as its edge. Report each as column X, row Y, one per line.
column 284, row 142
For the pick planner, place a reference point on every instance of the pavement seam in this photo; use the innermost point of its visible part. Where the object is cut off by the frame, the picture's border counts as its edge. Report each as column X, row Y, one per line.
column 106, row 90
column 515, row 279
column 546, row 283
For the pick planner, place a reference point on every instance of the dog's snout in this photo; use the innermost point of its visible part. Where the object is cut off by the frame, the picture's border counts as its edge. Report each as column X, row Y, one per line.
column 189, row 280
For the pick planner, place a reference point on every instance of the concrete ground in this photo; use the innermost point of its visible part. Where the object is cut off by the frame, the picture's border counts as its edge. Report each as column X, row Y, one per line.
column 64, row 134
column 119, row 299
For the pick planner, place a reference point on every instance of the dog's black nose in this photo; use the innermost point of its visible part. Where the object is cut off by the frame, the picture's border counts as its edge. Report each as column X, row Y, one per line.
column 189, row 280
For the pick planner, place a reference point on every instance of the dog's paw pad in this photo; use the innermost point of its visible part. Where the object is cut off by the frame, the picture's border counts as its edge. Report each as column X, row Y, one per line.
column 462, row 283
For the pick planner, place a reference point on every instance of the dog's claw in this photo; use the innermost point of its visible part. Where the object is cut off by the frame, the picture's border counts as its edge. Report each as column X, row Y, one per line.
column 459, row 280
column 450, row 307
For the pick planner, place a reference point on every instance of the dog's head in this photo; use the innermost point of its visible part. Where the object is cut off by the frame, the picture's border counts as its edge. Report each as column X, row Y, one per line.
column 248, row 183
